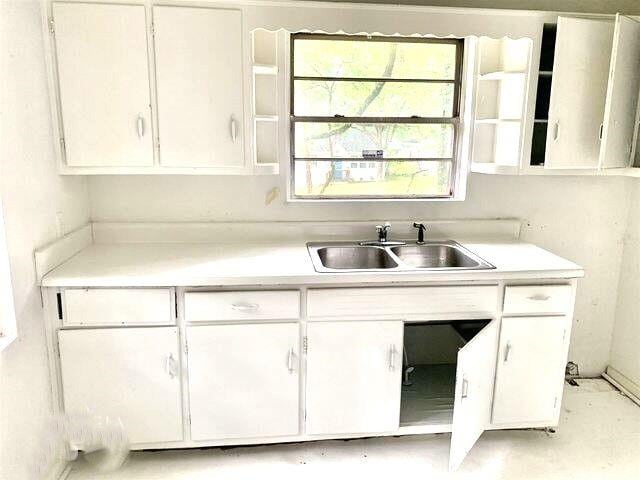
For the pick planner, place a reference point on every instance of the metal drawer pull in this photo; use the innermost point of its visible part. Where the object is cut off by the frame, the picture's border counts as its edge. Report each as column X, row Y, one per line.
column 539, row 297
column 140, row 126
column 507, row 351
column 290, row 360
column 170, row 366
column 245, row 307
column 465, row 388
column 392, row 357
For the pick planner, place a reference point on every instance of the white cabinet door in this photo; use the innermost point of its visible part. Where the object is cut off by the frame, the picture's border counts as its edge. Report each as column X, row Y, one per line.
column 622, row 95
column 103, row 74
column 200, row 86
column 530, row 371
column 474, row 392
column 353, row 377
column 131, row 374
column 243, row 380
column 578, row 92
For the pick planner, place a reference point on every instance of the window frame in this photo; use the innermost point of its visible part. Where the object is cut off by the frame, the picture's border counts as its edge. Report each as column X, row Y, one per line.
column 454, row 119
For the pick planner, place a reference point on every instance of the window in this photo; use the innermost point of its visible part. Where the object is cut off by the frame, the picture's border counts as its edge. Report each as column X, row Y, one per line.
column 391, row 101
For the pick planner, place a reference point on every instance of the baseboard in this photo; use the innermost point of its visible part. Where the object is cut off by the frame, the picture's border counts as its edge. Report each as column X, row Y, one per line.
column 622, row 383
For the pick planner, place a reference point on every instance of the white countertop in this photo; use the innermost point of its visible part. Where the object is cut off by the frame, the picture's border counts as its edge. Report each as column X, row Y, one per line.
column 282, row 263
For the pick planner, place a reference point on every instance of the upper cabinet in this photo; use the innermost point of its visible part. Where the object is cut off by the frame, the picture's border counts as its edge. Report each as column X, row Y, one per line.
column 200, row 86
column 149, row 90
column 594, row 89
column 105, row 105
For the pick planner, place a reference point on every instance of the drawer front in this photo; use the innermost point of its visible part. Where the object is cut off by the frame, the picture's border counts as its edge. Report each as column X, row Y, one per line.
column 389, row 301
column 212, row 306
column 540, row 299
column 118, row 306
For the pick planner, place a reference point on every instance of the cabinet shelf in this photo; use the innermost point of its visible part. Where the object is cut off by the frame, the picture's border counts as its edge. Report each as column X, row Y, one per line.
column 266, row 118
column 495, row 121
column 265, row 69
column 502, row 74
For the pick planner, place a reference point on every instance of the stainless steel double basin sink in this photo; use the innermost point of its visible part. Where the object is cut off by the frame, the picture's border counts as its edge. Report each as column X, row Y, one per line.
column 406, row 256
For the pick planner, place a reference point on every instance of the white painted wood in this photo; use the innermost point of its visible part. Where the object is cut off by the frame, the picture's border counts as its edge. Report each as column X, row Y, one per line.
column 101, row 53
column 50, row 256
column 537, row 299
column 622, row 95
column 8, row 323
column 241, row 305
column 130, row 374
column 353, row 377
column 243, row 380
column 530, row 369
column 623, row 383
column 354, row 302
column 200, row 86
column 474, row 392
column 118, row 306
column 578, row 92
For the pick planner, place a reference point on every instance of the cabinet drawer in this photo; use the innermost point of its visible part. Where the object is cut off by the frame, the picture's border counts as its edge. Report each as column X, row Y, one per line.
column 118, row 306
column 541, row 299
column 211, row 306
column 388, row 301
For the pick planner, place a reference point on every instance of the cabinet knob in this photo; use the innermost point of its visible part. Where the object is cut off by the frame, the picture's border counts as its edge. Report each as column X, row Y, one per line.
column 234, row 129
column 290, row 360
column 539, row 298
column 170, row 366
column 392, row 357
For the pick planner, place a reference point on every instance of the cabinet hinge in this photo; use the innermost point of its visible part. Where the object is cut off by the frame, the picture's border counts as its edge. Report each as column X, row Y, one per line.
column 305, row 344
column 186, row 349
column 555, row 402
column 59, row 305
column 63, row 147
column 52, row 26
column 153, row 29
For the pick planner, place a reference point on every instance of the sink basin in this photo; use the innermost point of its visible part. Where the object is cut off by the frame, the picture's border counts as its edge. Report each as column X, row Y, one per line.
column 355, row 258
column 434, row 256
column 410, row 256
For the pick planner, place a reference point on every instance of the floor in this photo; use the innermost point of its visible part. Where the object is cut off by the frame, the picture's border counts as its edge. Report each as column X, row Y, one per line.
column 598, row 438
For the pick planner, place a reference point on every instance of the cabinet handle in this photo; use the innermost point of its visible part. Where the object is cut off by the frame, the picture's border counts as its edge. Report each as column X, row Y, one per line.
column 392, row 358
column 140, row 126
column 539, row 298
column 290, row 360
column 465, row 388
column 245, row 307
column 601, row 131
column 507, row 351
column 234, row 130
column 556, row 130
column 170, row 366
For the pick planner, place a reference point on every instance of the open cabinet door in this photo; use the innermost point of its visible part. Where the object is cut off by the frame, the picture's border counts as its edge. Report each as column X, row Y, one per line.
column 474, row 392
column 580, row 77
column 622, row 95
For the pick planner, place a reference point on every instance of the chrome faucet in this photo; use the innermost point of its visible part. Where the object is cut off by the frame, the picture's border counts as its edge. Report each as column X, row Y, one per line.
column 383, row 237
column 383, row 230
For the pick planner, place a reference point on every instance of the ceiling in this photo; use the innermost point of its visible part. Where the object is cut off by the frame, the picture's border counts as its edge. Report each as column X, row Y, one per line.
column 630, row 7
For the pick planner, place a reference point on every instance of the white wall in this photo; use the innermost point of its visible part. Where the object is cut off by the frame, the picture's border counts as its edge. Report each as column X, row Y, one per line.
column 580, row 218
column 32, row 193
column 625, row 348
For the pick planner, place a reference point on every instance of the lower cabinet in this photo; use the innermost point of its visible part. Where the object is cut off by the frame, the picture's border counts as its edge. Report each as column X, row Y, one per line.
column 354, row 372
column 244, row 380
column 127, row 374
column 530, row 371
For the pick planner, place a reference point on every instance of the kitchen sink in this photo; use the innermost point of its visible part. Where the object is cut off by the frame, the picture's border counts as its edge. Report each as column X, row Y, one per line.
column 411, row 256
column 355, row 257
column 434, row 256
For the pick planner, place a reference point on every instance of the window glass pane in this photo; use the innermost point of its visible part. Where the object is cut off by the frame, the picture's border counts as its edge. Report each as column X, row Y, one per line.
column 387, row 179
column 396, row 140
column 374, row 59
column 373, row 99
